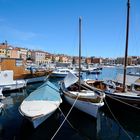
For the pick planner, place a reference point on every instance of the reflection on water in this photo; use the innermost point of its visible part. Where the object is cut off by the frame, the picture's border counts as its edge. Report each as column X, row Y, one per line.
column 79, row 126
column 10, row 118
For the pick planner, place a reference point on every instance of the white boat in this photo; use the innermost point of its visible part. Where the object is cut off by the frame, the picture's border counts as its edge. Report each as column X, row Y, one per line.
column 41, row 103
column 62, row 72
column 36, row 79
column 94, row 71
column 88, row 101
column 79, row 96
column 7, row 83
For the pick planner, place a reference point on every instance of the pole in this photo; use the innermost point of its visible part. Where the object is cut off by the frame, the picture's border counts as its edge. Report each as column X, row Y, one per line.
column 126, row 46
column 80, row 28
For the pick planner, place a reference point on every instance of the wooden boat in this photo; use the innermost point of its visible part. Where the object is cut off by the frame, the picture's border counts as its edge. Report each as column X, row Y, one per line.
column 127, row 89
column 122, row 93
column 114, row 89
column 41, row 103
column 79, row 96
column 86, row 100
column 98, row 85
column 20, row 71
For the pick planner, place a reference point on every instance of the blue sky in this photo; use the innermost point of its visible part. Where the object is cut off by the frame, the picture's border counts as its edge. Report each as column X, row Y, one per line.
column 52, row 25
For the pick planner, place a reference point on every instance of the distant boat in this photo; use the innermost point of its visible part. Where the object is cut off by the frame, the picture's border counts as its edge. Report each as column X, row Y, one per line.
column 62, row 72
column 94, row 71
column 41, row 103
column 134, row 73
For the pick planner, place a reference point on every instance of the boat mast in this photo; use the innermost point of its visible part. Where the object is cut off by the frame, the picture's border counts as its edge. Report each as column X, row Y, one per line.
column 126, row 47
column 80, row 28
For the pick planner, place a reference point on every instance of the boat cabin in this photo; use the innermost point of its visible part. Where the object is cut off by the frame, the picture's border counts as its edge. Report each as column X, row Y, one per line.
column 17, row 65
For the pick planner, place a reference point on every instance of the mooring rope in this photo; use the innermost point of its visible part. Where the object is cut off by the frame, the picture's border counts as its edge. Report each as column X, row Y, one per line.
column 118, row 121
column 65, row 118
column 124, row 102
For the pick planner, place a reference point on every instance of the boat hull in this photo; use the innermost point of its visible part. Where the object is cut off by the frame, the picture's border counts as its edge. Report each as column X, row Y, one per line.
column 60, row 75
column 36, row 122
column 87, row 107
column 36, row 79
column 16, row 85
column 123, row 99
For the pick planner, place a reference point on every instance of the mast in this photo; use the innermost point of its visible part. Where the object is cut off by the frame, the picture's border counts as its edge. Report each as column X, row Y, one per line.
column 80, row 28
column 6, row 44
column 126, row 45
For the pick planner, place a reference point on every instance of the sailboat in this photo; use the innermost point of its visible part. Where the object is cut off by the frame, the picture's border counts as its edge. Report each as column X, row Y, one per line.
column 118, row 91
column 79, row 96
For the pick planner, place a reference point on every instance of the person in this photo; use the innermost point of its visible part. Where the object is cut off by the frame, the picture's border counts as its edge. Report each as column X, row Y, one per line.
column 31, row 70
column 96, row 77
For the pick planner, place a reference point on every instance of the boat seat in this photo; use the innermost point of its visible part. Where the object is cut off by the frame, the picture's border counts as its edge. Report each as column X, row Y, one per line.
column 119, row 89
column 73, row 88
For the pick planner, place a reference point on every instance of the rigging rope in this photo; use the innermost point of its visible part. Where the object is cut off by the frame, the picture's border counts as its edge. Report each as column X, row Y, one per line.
column 117, row 121
column 65, row 118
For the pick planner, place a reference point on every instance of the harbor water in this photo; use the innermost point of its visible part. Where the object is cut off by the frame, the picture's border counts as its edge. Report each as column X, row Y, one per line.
column 111, row 123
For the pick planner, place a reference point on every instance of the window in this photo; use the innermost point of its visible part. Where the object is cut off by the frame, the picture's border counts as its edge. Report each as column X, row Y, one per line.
column 18, row 63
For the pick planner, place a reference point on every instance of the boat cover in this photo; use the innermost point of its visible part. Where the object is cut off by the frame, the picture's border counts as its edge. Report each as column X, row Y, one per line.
column 129, row 79
column 47, row 91
column 70, row 79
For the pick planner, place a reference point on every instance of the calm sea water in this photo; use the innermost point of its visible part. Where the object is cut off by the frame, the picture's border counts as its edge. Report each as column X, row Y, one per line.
column 123, row 125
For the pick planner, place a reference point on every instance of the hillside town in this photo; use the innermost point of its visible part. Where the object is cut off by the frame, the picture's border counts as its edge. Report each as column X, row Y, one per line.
column 41, row 57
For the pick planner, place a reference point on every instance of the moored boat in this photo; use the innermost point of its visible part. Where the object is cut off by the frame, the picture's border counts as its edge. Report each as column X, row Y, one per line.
column 30, row 75
column 62, row 72
column 114, row 89
column 41, row 103
column 86, row 100
column 126, row 90
column 79, row 96
column 8, row 84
